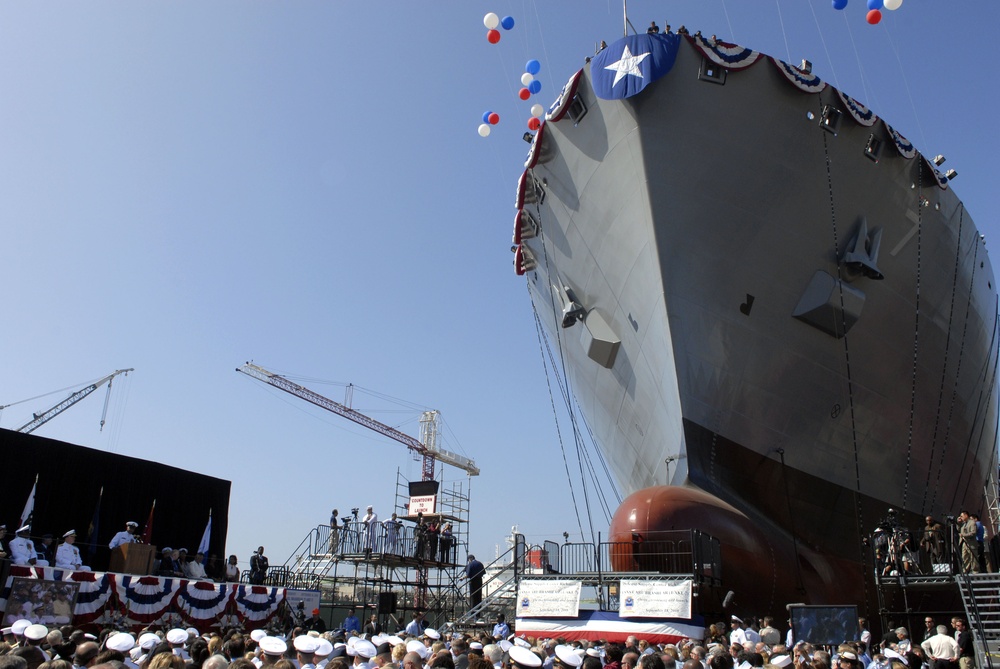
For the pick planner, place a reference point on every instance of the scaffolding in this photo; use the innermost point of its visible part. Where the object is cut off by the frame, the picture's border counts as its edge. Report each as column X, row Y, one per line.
column 378, row 570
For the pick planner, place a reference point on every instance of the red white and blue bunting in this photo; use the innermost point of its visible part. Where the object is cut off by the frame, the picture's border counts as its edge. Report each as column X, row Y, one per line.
column 139, row 600
column 860, row 113
column 562, row 103
column 903, row 145
column 729, row 56
column 810, row 83
column 255, row 603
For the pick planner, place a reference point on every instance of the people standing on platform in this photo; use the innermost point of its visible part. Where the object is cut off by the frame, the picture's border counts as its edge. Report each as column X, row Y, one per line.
column 45, row 550
column 3, row 549
column 932, row 540
column 392, row 526
column 737, row 636
column 232, row 570
column 967, row 537
column 334, row 532
column 68, row 555
column 351, row 623
column 195, row 568
column 420, row 537
column 126, row 536
column 258, row 567
column 474, row 571
column 433, row 531
column 370, row 522
column 22, row 549
column 980, row 542
column 445, row 542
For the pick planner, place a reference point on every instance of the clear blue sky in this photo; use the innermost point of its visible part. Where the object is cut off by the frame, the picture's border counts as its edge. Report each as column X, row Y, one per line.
column 186, row 185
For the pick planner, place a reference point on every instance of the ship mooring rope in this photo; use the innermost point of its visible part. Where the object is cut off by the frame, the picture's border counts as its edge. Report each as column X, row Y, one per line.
column 847, row 362
column 944, row 366
column 916, row 332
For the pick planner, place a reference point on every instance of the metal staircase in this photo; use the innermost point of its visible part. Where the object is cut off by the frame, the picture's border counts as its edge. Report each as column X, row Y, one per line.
column 981, row 598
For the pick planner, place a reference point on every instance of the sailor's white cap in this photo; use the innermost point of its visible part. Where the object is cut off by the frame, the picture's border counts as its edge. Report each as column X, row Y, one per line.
column 325, row 647
column 891, row 654
column 272, row 645
column 365, row 648
column 131, row 523
column 19, row 626
column 258, row 634
column 24, row 528
column 7, row 630
column 192, row 632
column 781, row 660
column 35, row 632
column 71, row 533
column 148, row 640
column 122, row 641
column 523, row 643
column 504, row 645
column 593, row 652
column 848, row 655
column 736, row 619
column 418, row 647
column 378, row 640
column 177, row 635
column 475, row 645
column 432, row 633
column 305, row 644
column 523, row 657
column 394, row 640
column 568, row 656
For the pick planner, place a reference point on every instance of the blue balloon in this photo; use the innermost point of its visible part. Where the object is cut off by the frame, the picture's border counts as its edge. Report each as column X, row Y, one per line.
column 839, row 4
column 507, row 22
column 486, row 116
column 535, row 86
column 874, row 4
column 533, row 67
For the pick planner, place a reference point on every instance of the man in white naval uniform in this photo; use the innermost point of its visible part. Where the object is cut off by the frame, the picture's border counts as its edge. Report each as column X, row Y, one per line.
column 22, row 549
column 126, row 536
column 68, row 555
column 371, row 524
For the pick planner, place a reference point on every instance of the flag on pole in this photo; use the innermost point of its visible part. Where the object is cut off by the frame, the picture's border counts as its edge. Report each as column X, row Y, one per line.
column 94, row 528
column 29, row 506
column 203, row 546
column 147, row 532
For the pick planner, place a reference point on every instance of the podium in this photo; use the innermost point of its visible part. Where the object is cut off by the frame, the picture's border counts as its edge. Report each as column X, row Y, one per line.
column 132, row 559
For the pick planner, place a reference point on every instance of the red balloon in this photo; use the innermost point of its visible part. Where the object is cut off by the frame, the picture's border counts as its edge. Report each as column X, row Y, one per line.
column 493, row 36
column 524, row 94
column 874, row 16
column 534, row 123
column 494, row 118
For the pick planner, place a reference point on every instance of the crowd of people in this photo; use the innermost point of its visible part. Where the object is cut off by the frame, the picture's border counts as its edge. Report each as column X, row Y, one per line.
column 309, row 646
column 431, row 538
column 961, row 539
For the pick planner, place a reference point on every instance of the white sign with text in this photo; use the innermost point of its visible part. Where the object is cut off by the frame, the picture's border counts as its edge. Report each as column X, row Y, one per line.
column 654, row 599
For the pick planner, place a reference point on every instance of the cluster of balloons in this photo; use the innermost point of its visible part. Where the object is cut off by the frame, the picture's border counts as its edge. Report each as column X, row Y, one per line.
column 875, row 8
column 491, row 21
column 489, row 118
column 531, row 85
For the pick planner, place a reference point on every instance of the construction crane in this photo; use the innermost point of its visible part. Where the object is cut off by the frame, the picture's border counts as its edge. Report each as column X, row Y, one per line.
column 40, row 419
column 427, row 448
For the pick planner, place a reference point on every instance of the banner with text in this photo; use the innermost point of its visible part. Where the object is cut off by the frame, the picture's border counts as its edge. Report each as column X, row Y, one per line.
column 545, row 599
column 425, row 504
column 654, row 599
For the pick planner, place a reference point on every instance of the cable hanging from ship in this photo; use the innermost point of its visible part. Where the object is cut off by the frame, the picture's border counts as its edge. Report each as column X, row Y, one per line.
column 916, row 334
column 944, row 364
column 847, row 362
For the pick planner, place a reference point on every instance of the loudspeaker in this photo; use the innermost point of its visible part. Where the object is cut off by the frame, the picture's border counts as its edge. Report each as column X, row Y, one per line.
column 386, row 602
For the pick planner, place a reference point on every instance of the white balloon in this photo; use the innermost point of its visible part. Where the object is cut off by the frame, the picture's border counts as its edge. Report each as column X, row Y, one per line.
column 893, row 5
column 484, row 130
column 526, row 79
column 491, row 21
column 537, row 111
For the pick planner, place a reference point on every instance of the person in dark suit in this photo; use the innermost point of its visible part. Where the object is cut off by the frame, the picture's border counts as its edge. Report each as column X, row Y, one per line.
column 474, row 571
column 258, row 567
column 966, row 651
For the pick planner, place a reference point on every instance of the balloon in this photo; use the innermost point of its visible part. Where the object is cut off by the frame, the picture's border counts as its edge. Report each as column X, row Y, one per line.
column 537, row 111
column 526, row 79
column 486, row 116
column 493, row 119
column 533, row 67
column 484, row 130
column 492, row 36
column 874, row 4
column 507, row 23
column 535, row 86
column 491, row 21
column 893, row 5
column 839, row 4
column 533, row 123
column 524, row 94
column 874, row 16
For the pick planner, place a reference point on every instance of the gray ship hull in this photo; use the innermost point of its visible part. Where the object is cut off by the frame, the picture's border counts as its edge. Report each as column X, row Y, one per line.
column 707, row 225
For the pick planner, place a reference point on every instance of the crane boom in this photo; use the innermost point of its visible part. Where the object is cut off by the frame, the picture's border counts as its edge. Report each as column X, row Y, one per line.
column 44, row 417
column 429, row 451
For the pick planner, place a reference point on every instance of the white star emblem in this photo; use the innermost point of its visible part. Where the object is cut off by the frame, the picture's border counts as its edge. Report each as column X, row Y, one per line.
column 628, row 64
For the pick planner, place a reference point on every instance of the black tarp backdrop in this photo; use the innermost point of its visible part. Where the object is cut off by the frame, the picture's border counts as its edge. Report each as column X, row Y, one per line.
column 70, row 478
